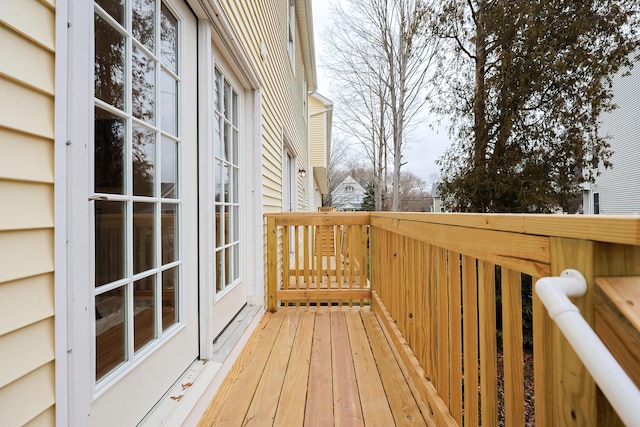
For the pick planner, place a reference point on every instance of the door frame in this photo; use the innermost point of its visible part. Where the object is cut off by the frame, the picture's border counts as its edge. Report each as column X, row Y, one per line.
column 74, row 390
column 216, row 32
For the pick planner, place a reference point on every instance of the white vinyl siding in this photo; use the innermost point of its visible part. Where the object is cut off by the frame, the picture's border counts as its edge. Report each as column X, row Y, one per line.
column 27, row 384
column 619, row 187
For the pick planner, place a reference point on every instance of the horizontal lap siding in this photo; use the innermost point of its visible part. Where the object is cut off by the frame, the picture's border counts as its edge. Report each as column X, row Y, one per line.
column 282, row 105
column 27, row 383
column 619, row 187
column 317, row 135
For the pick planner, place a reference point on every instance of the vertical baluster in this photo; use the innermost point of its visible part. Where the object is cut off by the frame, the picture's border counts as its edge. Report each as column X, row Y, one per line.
column 470, row 340
column 488, row 356
column 512, row 347
column 286, row 260
column 443, row 325
column 455, row 336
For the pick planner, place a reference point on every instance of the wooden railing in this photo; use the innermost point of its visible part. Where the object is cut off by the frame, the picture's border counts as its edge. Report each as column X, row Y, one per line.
column 443, row 278
column 323, row 259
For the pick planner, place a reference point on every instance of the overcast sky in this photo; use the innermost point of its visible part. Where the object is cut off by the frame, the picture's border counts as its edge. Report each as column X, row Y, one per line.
column 427, row 145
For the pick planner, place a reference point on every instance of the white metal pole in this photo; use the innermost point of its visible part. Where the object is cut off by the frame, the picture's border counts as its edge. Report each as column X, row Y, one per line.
column 616, row 385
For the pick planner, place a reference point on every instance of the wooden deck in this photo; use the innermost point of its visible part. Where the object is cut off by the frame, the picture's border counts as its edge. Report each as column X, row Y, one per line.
column 318, row 366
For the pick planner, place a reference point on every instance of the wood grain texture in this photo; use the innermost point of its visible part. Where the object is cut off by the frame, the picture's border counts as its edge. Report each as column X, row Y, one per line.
column 319, row 392
column 455, row 335
column 527, row 253
column 403, row 406
column 427, row 393
column 488, row 356
column 512, row 348
column 603, row 228
column 575, row 389
column 617, row 320
column 265, row 401
column 375, row 406
column 294, row 389
column 346, row 399
column 246, row 369
column 542, row 361
column 470, row 339
column 272, row 265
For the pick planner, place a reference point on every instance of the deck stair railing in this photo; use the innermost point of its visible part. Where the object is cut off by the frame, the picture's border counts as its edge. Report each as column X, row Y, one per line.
column 450, row 282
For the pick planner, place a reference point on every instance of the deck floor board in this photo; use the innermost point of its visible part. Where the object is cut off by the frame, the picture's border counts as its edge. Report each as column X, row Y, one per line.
column 308, row 366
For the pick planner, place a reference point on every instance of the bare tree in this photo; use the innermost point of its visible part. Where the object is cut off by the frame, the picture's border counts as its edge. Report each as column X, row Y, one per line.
column 337, row 170
column 360, row 103
column 381, row 56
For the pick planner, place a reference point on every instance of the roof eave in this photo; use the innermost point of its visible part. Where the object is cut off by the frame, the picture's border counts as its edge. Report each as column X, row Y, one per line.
column 304, row 17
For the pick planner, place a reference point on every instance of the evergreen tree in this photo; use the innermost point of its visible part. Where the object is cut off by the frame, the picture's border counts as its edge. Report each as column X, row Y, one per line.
column 368, row 202
column 527, row 83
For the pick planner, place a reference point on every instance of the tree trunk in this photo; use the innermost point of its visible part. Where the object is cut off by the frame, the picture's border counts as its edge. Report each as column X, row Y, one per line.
column 480, row 128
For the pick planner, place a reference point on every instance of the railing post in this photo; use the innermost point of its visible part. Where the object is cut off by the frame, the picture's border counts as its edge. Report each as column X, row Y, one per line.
column 573, row 389
column 272, row 264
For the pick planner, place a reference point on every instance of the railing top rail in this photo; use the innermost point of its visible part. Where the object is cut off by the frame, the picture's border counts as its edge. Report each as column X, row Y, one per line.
column 612, row 229
column 603, row 228
column 320, row 218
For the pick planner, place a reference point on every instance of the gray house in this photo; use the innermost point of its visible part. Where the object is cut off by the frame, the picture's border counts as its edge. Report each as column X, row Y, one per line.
column 348, row 195
column 617, row 190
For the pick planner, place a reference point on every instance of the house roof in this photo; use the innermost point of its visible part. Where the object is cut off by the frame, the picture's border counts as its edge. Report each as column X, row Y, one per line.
column 349, row 180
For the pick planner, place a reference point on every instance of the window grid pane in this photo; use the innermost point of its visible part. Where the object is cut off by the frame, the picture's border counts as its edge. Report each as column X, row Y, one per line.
column 137, row 261
column 226, row 182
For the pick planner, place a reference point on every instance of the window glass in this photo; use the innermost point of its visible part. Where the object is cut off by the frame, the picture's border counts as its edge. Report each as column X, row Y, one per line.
column 169, row 297
column 169, row 99
column 144, row 160
column 143, row 86
column 169, row 39
column 136, row 179
column 144, row 233
column 144, row 320
column 143, row 22
column 110, row 331
column 169, row 233
column 169, row 166
column 109, row 78
column 109, row 152
column 110, row 237
column 115, row 8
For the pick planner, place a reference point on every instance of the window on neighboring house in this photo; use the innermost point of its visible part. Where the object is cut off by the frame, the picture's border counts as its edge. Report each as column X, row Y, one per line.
column 596, row 203
column 348, row 189
column 292, row 38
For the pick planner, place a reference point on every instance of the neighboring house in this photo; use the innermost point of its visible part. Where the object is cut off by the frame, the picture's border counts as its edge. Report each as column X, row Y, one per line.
column 320, row 124
column 617, row 190
column 140, row 144
column 348, row 195
column 438, row 206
